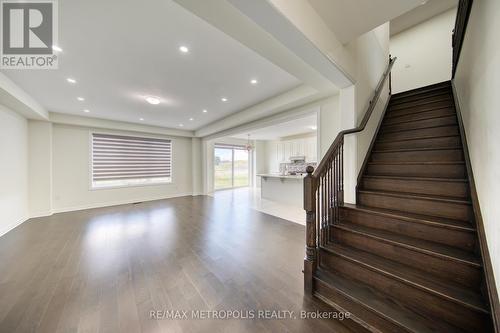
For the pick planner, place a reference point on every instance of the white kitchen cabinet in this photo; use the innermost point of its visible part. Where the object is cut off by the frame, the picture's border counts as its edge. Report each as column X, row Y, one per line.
column 281, row 151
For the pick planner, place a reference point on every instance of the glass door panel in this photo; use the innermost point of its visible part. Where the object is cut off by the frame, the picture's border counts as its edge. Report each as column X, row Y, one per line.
column 241, row 168
column 231, row 167
column 223, row 168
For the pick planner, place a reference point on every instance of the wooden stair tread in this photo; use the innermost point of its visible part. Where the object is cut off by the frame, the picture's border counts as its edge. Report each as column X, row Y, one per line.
column 431, row 109
column 399, row 113
column 412, row 276
column 418, row 196
column 423, row 96
column 416, row 103
column 417, row 162
column 430, row 248
column 418, row 138
column 417, row 120
column 384, row 131
column 446, row 85
column 457, row 180
column 376, row 302
column 416, row 218
column 415, row 149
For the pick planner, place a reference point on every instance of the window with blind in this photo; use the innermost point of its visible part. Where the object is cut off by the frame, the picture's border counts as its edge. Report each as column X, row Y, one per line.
column 119, row 160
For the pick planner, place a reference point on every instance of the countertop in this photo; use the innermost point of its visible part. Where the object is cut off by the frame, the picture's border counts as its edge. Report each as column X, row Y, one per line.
column 276, row 175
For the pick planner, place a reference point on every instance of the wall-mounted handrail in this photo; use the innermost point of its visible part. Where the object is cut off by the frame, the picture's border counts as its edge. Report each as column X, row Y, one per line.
column 324, row 189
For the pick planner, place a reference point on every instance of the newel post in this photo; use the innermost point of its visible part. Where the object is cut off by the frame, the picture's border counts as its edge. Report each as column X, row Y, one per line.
column 310, row 208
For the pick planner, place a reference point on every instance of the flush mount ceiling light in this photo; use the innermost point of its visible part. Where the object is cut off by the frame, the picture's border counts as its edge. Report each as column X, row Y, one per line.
column 152, row 100
column 70, row 80
column 183, row 49
column 81, row 99
column 141, row 119
column 205, row 111
column 191, row 119
column 86, row 111
column 56, row 48
column 224, row 99
column 254, row 82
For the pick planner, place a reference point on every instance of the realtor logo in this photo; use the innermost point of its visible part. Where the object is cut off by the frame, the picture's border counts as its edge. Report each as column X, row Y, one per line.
column 29, row 30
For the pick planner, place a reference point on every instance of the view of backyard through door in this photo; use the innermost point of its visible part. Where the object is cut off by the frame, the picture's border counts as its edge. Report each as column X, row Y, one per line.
column 231, row 167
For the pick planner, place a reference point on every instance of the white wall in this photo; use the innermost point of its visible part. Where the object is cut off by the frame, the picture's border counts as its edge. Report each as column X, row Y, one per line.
column 71, row 176
column 13, row 169
column 329, row 124
column 424, row 53
column 371, row 54
column 196, row 153
column 40, row 168
column 477, row 82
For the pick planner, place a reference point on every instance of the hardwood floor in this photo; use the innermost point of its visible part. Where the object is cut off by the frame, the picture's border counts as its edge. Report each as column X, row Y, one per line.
column 104, row 270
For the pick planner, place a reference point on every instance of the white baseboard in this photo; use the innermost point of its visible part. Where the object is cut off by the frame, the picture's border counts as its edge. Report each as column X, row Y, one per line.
column 116, row 203
column 13, row 226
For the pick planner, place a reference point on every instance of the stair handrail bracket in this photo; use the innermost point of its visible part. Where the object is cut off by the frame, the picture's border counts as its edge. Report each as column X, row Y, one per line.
column 324, row 190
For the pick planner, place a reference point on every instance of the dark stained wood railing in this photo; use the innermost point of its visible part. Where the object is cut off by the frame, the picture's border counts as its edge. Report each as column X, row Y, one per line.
column 463, row 13
column 324, row 190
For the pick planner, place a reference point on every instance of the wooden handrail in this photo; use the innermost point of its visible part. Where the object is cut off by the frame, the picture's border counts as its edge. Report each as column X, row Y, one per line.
column 324, row 190
column 364, row 121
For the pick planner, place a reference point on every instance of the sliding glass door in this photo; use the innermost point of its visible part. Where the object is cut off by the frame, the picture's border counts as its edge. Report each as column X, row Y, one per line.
column 231, row 167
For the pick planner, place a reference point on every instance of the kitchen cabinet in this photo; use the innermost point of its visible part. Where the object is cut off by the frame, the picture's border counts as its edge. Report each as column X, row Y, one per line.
column 281, row 151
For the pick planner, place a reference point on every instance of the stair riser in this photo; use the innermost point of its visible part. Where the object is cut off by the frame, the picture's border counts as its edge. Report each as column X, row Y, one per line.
column 355, row 308
column 418, row 170
column 418, row 103
column 452, row 141
column 461, row 273
column 419, row 133
column 444, row 155
column 420, row 108
column 422, row 96
column 419, row 116
column 452, row 237
column 443, row 188
column 423, row 302
column 449, row 210
column 418, row 124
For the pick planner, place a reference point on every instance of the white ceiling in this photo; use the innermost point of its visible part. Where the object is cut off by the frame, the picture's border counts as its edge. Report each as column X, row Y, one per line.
column 122, row 50
column 421, row 14
column 275, row 132
column 349, row 19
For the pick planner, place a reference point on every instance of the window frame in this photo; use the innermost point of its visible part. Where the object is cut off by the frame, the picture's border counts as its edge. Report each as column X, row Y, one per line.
column 91, row 162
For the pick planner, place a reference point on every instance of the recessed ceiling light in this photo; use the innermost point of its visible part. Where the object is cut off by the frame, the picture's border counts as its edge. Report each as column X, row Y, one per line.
column 81, row 99
column 141, row 119
column 314, row 127
column 191, row 119
column 70, row 80
column 86, row 111
column 183, row 49
column 56, row 48
column 224, row 99
column 254, row 81
column 152, row 100
column 181, row 125
column 205, row 111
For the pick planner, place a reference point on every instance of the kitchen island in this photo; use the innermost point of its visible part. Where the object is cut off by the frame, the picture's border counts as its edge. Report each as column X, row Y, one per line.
column 284, row 189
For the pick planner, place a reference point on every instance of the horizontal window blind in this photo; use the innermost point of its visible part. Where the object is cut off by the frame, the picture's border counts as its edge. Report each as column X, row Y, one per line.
column 118, row 157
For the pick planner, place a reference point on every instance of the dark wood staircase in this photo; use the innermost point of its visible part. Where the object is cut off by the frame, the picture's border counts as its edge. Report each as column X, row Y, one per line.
column 405, row 258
